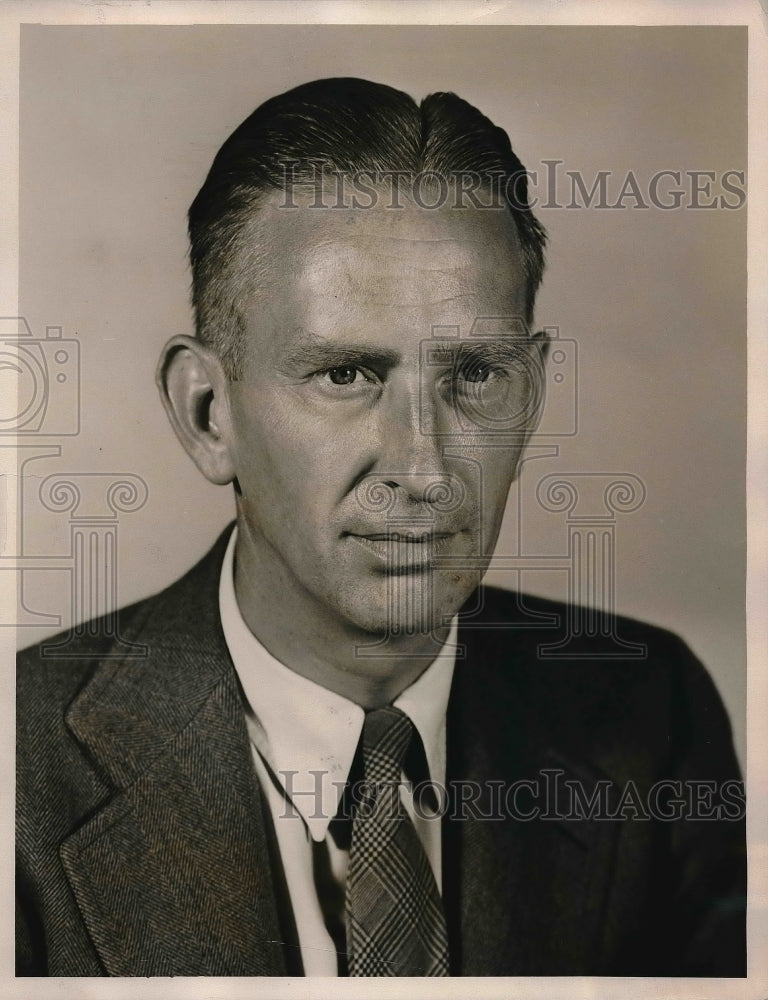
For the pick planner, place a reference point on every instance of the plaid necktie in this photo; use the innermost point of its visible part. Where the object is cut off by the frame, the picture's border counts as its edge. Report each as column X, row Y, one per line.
column 395, row 920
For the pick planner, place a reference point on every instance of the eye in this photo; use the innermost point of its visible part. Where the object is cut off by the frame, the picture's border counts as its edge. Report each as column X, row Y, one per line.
column 343, row 374
column 476, row 371
column 344, row 379
column 479, row 371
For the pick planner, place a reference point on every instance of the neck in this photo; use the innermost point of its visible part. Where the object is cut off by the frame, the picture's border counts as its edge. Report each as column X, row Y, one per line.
column 333, row 653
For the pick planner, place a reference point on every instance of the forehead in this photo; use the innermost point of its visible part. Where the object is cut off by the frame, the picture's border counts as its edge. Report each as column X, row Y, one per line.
column 389, row 268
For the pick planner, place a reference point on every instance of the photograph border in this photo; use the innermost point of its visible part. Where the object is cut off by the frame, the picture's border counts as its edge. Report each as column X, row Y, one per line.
column 657, row 12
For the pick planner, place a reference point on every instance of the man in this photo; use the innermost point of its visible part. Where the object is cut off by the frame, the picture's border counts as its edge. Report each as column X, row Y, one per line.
column 342, row 754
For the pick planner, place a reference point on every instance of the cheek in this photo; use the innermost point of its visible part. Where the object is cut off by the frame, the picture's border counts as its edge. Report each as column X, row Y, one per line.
column 498, row 476
column 288, row 460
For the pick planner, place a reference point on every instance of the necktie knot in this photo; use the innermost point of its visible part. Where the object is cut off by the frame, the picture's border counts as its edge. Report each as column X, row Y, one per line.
column 387, row 734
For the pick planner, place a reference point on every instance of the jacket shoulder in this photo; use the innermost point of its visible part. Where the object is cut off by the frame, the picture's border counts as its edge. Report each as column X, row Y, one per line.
column 621, row 688
column 547, row 631
column 51, row 672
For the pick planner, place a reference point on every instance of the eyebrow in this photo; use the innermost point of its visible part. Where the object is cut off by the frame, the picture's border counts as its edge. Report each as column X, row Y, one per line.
column 491, row 350
column 318, row 353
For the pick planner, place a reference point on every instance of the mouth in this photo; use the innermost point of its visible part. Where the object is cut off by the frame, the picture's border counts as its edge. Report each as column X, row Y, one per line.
column 404, row 551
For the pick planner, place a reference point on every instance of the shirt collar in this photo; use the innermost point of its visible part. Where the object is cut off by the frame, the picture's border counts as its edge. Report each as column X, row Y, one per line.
column 307, row 734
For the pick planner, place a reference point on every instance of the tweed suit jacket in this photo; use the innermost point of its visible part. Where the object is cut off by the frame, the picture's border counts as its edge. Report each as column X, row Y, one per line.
column 144, row 849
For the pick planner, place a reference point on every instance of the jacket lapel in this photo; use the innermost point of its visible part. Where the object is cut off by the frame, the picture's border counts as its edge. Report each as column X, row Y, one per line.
column 172, row 874
column 526, row 894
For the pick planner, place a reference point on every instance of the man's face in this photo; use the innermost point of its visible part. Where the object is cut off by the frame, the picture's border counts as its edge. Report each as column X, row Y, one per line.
column 374, row 452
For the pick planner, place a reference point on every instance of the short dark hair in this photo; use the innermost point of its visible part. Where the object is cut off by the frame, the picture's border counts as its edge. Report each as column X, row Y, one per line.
column 350, row 126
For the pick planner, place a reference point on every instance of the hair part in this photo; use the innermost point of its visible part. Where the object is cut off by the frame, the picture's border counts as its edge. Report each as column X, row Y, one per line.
column 351, row 127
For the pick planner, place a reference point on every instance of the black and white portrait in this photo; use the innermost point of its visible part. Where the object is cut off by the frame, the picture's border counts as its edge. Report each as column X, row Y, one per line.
column 380, row 425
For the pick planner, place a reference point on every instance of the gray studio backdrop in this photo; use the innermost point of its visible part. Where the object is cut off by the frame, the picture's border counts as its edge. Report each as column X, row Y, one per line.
column 118, row 128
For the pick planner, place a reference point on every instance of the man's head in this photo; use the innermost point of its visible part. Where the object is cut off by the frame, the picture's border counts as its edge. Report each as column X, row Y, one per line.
column 364, row 271
column 341, row 128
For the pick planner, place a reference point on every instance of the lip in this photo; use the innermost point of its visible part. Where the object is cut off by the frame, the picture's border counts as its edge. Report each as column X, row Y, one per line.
column 403, row 551
column 406, row 537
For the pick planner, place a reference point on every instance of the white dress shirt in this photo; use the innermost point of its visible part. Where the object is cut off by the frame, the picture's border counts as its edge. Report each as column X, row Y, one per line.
column 304, row 739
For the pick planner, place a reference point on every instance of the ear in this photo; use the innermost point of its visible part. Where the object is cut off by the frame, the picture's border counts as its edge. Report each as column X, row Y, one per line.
column 194, row 391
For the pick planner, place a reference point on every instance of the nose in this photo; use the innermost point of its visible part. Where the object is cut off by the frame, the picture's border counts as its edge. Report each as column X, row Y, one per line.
column 411, row 455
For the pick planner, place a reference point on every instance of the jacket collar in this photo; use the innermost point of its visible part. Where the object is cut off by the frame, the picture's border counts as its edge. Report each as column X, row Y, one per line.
column 172, row 875
column 134, row 706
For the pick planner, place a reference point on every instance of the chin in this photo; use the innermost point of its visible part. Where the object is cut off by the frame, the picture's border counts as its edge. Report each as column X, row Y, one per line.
column 409, row 605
